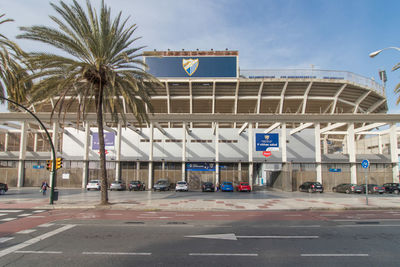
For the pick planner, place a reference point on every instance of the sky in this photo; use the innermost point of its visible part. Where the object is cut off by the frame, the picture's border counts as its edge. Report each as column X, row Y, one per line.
column 269, row 34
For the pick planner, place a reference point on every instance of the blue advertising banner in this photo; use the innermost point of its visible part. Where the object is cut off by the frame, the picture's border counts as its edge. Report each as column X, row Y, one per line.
column 265, row 141
column 193, row 66
column 200, row 166
column 108, row 140
column 335, row 170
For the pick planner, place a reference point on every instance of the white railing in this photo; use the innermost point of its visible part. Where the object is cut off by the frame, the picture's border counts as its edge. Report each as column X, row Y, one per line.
column 313, row 74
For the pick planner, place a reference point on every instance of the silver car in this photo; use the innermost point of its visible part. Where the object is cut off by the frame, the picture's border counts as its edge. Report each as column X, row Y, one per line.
column 117, row 185
column 181, row 186
column 93, row 184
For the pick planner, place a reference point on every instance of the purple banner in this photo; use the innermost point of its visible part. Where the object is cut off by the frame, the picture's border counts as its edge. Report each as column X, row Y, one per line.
column 108, row 140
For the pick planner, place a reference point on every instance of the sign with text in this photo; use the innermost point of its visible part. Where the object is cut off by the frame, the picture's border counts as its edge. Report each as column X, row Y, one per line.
column 108, row 140
column 266, row 142
column 200, row 166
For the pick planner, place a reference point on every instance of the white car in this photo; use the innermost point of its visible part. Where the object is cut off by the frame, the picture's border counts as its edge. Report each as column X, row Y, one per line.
column 181, row 186
column 93, row 184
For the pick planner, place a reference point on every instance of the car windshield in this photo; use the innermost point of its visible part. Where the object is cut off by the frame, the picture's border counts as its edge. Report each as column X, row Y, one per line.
column 162, row 182
column 208, row 184
column 93, row 181
column 182, row 183
column 244, row 184
column 135, row 182
column 227, row 183
column 317, row 184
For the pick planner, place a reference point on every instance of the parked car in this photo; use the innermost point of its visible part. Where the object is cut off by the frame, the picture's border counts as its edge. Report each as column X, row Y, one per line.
column 374, row 188
column 181, row 186
column 344, row 188
column 93, row 184
column 392, row 188
column 226, row 187
column 136, row 186
column 243, row 186
column 311, row 187
column 358, row 189
column 208, row 187
column 117, row 185
column 3, row 188
column 162, row 185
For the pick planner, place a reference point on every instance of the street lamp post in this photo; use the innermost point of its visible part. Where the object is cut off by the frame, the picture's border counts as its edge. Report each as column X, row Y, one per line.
column 53, row 169
column 373, row 54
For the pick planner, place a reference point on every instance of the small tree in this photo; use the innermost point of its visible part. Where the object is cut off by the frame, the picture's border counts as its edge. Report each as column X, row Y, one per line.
column 98, row 65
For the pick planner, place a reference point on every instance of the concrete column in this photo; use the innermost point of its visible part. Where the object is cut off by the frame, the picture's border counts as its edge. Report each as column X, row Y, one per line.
column 22, row 154
column 35, row 142
column 86, row 143
column 352, row 153
column 137, row 170
column 217, row 153
column 394, row 154
column 283, row 142
column 380, row 144
column 317, row 128
column 6, row 142
column 251, row 141
column 183, row 151
column 150, row 178
column 325, row 145
column 118, row 153
column 240, row 171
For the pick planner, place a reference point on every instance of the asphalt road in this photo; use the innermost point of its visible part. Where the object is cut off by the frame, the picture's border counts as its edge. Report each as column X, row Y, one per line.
column 127, row 238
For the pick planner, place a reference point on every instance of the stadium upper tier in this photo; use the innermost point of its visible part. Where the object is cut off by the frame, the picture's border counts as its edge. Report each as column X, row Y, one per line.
column 272, row 91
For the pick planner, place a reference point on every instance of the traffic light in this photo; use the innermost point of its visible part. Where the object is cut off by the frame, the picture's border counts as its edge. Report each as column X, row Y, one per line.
column 49, row 164
column 59, row 162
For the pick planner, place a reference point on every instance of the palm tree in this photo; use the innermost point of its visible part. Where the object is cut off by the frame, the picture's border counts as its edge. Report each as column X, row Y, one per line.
column 97, row 66
column 13, row 71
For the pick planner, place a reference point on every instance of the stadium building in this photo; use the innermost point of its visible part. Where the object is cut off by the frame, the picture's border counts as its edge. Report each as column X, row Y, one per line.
column 214, row 122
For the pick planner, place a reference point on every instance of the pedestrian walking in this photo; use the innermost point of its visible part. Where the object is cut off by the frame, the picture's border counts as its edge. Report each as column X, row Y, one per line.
column 44, row 187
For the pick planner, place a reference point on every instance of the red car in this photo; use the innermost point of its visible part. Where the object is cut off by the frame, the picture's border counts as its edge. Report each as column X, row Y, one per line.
column 243, row 186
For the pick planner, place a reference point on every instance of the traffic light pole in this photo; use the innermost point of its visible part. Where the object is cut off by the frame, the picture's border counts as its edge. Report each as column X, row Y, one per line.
column 53, row 167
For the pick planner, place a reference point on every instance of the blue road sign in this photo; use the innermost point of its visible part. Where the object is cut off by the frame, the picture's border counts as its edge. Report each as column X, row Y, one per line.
column 365, row 163
column 265, row 141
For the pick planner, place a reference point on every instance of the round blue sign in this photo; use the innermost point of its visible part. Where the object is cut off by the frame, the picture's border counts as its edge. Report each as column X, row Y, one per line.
column 365, row 163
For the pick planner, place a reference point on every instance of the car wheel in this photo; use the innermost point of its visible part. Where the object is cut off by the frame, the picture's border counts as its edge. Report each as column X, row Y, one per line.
column 2, row 192
column 88, row 189
column 309, row 190
column 369, row 192
column 396, row 191
column 347, row 191
column 334, row 189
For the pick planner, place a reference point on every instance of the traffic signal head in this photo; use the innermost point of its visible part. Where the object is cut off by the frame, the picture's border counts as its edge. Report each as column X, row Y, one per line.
column 49, row 164
column 59, row 162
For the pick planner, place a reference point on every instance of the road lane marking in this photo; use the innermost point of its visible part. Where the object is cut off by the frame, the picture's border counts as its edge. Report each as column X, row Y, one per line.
column 24, row 215
column 46, row 225
column 369, row 225
column 37, row 252
column 28, row 231
column 118, row 253
column 334, row 255
column 365, row 220
column 295, row 226
column 8, row 219
column 232, row 236
column 35, row 240
column 2, row 214
column 225, row 254
column 38, row 211
column 5, row 239
column 184, row 215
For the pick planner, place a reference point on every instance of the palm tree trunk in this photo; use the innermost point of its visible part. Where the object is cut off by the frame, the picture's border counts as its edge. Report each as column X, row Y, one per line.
column 103, row 171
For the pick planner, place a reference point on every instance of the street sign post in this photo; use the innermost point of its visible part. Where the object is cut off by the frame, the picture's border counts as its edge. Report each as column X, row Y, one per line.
column 365, row 165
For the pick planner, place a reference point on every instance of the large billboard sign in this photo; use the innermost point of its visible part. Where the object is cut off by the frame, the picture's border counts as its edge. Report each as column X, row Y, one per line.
column 108, row 140
column 192, row 66
column 266, row 142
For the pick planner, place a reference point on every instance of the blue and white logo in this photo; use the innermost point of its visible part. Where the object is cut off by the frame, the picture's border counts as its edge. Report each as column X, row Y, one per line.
column 190, row 65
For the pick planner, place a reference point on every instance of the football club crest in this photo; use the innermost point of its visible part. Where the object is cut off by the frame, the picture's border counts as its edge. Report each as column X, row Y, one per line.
column 190, row 65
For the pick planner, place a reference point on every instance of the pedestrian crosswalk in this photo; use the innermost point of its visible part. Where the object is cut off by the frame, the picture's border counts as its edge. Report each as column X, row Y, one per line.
column 14, row 214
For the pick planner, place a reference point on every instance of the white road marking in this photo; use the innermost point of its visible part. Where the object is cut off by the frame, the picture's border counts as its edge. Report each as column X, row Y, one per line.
column 35, row 240
column 11, row 210
column 184, row 215
column 38, row 252
column 8, row 219
column 27, row 231
column 365, row 220
column 46, row 225
column 2, row 214
column 118, row 253
column 311, row 226
column 369, row 225
column 334, row 255
column 224, row 254
column 293, row 215
column 38, row 211
column 114, row 214
column 24, row 215
column 5, row 239
column 232, row 236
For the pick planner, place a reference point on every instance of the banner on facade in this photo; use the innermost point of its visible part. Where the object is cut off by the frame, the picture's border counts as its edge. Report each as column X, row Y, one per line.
column 108, row 140
column 266, row 142
column 200, row 166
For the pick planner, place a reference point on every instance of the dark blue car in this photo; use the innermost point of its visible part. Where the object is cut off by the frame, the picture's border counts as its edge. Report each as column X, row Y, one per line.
column 227, row 186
